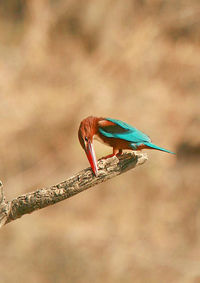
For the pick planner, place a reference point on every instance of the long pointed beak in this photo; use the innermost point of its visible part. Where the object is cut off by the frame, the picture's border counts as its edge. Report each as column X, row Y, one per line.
column 92, row 157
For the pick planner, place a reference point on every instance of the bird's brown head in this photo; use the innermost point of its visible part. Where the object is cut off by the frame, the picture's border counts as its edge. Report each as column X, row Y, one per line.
column 87, row 130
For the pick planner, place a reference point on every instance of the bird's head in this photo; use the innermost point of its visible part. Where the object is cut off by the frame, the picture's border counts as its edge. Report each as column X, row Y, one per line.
column 86, row 132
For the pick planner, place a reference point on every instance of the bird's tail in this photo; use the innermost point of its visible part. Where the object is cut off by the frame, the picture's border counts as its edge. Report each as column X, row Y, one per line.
column 151, row 145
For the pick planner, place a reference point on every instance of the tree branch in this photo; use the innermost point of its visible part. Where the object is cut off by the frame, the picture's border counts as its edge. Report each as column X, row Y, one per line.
column 4, row 207
column 27, row 203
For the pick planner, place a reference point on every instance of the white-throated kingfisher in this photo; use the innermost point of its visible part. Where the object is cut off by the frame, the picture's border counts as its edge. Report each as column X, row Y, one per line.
column 115, row 133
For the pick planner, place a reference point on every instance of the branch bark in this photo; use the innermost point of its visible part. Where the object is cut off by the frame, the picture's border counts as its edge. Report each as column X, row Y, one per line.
column 27, row 203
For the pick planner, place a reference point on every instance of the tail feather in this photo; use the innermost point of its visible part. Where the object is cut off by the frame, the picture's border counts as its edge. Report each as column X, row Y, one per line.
column 151, row 145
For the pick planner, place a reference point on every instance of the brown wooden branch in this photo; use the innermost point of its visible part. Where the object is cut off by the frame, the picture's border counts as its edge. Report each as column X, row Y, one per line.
column 27, row 203
column 4, row 207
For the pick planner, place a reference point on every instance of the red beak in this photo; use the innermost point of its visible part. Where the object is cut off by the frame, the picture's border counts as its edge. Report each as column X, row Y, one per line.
column 92, row 157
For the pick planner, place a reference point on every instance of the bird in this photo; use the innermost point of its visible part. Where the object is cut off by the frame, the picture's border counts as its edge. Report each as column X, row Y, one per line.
column 112, row 132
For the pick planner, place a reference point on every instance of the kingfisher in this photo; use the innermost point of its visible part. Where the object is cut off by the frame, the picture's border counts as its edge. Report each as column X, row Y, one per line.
column 115, row 133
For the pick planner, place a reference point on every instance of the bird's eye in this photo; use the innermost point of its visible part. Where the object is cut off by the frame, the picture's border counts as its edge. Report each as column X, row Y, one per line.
column 86, row 139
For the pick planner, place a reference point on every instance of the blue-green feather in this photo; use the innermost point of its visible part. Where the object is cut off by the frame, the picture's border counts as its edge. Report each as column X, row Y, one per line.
column 124, row 131
column 151, row 145
column 130, row 133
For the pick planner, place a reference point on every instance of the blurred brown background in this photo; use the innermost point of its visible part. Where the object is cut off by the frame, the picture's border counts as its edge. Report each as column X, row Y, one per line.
column 135, row 60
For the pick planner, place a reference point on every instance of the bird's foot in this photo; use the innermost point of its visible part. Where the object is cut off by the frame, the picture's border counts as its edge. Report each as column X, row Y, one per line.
column 108, row 156
column 118, row 153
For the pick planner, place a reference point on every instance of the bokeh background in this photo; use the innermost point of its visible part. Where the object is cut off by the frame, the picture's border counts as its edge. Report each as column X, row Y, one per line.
column 135, row 60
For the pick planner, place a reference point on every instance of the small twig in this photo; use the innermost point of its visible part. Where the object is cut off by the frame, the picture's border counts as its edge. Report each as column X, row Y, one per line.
column 27, row 203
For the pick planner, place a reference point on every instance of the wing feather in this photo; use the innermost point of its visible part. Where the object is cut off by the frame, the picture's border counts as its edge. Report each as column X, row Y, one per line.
column 122, row 130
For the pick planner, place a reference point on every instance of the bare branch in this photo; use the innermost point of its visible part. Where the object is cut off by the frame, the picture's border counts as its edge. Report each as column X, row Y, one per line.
column 4, row 207
column 27, row 203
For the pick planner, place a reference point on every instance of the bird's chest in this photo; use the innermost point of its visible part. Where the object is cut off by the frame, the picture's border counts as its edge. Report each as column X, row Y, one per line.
column 113, row 142
column 101, row 139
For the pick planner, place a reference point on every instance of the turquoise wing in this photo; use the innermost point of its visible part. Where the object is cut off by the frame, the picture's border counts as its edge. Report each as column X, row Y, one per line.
column 124, row 131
